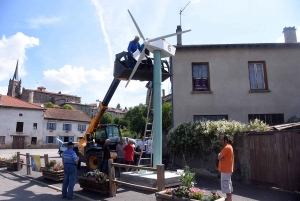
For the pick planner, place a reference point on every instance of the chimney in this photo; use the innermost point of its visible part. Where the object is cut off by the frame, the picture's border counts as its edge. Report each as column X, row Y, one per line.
column 290, row 35
column 179, row 40
column 30, row 97
column 163, row 93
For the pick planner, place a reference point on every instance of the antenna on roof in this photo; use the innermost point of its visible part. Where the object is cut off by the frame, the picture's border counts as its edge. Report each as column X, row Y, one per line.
column 182, row 11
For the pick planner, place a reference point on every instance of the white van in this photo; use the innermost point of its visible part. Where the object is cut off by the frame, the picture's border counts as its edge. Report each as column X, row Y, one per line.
column 63, row 147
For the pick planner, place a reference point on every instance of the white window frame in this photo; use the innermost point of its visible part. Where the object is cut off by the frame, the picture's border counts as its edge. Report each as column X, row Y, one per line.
column 2, row 139
column 256, row 75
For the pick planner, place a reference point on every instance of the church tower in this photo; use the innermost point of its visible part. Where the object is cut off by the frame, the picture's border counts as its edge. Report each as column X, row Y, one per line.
column 14, row 86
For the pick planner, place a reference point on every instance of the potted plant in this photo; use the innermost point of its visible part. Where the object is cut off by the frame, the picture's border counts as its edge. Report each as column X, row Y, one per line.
column 2, row 162
column 187, row 191
column 12, row 164
column 95, row 181
column 53, row 170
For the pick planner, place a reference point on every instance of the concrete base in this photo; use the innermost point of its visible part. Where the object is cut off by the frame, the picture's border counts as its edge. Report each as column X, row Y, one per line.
column 149, row 179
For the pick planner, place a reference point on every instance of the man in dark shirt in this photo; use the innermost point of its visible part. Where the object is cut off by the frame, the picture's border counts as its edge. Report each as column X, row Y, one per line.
column 132, row 47
column 105, row 156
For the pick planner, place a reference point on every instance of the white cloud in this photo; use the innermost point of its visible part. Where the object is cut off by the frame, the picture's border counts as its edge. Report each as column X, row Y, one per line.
column 39, row 21
column 68, row 79
column 195, row 1
column 281, row 38
column 3, row 90
column 103, row 28
column 12, row 49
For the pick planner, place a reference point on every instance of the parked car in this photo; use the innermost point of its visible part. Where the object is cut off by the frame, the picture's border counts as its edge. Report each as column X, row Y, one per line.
column 63, row 147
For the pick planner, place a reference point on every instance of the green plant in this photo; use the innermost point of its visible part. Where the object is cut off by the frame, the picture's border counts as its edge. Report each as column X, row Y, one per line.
column 213, row 196
column 96, row 176
column 257, row 125
column 188, row 178
column 49, row 105
column 68, row 107
column 196, row 193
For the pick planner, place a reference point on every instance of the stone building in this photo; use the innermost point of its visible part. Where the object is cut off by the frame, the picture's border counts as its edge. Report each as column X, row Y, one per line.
column 14, row 86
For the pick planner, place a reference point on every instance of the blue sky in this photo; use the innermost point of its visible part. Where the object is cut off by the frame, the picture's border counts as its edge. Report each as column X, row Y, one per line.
column 69, row 46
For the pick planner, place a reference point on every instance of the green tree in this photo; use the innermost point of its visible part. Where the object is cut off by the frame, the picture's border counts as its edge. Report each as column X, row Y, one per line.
column 136, row 118
column 68, row 107
column 106, row 118
column 166, row 116
column 49, row 105
column 119, row 106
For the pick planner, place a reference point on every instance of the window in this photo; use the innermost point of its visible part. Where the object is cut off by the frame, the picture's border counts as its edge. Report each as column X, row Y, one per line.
column 19, row 127
column 2, row 139
column 81, row 127
column 200, row 77
column 51, row 126
column 33, row 140
column 20, row 115
column 50, row 139
column 270, row 119
column 210, row 117
column 34, row 125
column 67, row 127
column 258, row 75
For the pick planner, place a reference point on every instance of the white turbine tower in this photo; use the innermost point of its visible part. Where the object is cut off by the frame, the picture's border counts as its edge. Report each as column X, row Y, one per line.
column 151, row 45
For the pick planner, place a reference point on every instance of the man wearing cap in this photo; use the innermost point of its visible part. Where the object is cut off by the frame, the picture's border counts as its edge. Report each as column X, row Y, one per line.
column 132, row 47
column 226, row 161
column 70, row 160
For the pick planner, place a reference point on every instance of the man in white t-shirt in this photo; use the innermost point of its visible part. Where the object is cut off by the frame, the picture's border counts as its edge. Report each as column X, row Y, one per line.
column 149, row 149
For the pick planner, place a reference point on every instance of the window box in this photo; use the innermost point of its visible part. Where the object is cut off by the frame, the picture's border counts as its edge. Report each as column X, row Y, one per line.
column 53, row 175
column 163, row 196
column 12, row 166
column 89, row 184
column 51, row 130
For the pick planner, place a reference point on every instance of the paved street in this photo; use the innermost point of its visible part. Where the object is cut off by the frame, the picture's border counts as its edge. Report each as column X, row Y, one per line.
column 18, row 186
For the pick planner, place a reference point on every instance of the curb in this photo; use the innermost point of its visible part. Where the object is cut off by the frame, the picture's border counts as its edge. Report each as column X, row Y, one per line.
column 49, row 186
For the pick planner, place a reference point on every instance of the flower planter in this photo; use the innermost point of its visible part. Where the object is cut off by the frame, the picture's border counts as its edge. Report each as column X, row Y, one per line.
column 2, row 163
column 162, row 196
column 13, row 166
column 89, row 184
column 54, row 175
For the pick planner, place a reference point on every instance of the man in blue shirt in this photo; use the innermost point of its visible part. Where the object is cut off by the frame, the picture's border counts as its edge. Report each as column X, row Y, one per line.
column 132, row 47
column 70, row 160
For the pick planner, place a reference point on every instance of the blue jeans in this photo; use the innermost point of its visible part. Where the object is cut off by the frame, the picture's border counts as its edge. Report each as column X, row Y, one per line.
column 70, row 174
column 105, row 166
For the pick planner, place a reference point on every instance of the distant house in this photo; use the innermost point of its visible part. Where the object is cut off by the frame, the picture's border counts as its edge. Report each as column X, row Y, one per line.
column 67, row 125
column 90, row 109
column 237, row 81
column 21, row 123
column 116, row 112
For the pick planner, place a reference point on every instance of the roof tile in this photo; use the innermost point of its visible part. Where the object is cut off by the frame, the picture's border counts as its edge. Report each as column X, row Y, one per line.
column 8, row 101
column 63, row 114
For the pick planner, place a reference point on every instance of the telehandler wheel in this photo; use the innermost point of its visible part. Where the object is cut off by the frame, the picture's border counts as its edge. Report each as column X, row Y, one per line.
column 94, row 160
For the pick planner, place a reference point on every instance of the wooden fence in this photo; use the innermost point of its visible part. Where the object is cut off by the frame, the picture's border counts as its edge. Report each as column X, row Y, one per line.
column 28, row 164
column 160, row 170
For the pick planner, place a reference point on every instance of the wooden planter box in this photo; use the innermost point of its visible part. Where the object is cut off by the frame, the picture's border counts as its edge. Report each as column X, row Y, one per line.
column 162, row 196
column 13, row 166
column 2, row 163
column 54, row 175
column 89, row 184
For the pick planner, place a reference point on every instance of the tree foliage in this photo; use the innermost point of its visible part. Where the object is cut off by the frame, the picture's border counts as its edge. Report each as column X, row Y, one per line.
column 68, row 107
column 166, row 116
column 121, row 121
column 119, row 106
column 48, row 105
column 136, row 118
column 200, row 138
column 106, row 118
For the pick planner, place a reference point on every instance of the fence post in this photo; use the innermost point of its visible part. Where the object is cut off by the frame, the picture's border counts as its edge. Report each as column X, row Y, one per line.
column 28, row 164
column 160, row 177
column 46, row 159
column 18, row 161
column 112, row 184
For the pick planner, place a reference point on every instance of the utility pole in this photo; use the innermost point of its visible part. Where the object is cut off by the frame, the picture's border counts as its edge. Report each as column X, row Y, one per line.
column 182, row 11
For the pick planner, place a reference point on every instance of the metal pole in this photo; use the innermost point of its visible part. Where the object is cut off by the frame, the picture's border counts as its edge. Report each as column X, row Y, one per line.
column 157, row 142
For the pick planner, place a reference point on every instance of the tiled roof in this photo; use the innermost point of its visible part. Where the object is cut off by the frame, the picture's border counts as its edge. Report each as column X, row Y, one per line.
column 39, row 104
column 48, row 92
column 63, row 114
column 239, row 45
column 115, row 110
column 8, row 101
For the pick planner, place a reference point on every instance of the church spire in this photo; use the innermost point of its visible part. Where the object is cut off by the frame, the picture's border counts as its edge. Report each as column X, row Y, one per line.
column 16, row 77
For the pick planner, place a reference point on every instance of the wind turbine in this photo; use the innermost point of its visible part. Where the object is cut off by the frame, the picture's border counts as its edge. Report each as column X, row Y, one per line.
column 151, row 45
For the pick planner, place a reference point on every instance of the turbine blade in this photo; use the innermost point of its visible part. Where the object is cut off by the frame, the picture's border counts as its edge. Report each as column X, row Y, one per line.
column 142, row 55
column 137, row 27
column 166, row 36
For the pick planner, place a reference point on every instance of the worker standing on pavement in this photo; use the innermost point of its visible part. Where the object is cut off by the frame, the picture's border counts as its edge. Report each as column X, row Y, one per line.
column 105, row 156
column 132, row 47
column 70, row 160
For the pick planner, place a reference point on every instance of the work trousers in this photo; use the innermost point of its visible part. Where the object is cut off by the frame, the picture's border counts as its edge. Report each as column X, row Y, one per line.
column 70, row 174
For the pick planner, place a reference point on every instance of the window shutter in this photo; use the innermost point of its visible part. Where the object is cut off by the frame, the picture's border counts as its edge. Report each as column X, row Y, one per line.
column 70, row 127
column 46, row 139
column 84, row 127
column 64, row 127
column 54, row 139
column 54, row 126
column 48, row 126
column 78, row 127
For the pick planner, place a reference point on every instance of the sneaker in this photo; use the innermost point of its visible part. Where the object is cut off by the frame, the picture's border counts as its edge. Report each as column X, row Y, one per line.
column 72, row 198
